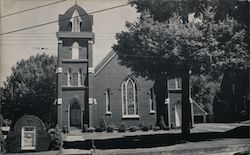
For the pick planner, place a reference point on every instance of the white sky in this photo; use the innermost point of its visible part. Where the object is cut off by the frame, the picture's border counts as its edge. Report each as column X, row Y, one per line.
column 23, row 44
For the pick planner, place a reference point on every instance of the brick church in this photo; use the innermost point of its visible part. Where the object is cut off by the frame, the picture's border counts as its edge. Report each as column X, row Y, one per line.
column 110, row 91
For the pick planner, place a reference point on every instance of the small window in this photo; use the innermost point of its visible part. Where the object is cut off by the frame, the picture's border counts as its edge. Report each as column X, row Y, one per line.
column 79, row 75
column 177, row 83
column 108, row 106
column 69, row 77
column 151, row 101
column 75, row 50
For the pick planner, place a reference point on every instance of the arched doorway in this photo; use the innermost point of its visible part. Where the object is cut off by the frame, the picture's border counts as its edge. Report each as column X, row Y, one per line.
column 75, row 115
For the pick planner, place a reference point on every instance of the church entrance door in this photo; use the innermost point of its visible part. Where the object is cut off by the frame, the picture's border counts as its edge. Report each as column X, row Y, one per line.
column 75, row 115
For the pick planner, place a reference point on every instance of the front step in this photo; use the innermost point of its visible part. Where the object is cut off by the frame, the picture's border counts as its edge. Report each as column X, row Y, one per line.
column 76, row 152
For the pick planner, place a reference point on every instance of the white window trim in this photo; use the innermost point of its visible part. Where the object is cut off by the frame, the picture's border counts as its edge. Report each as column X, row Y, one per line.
column 75, row 50
column 151, row 105
column 69, row 78
column 176, row 84
column 79, row 78
column 136, row 104
column 107, row 99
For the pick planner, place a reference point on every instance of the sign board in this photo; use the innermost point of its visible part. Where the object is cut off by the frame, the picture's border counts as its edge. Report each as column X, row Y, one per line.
column 28, row 138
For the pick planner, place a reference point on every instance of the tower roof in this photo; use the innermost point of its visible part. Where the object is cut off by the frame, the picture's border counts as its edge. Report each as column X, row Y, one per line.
column 64, row 20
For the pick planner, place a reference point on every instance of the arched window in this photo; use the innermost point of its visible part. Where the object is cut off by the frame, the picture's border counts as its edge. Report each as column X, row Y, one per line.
column 79, row 75
column 69, row 77
column 129, row 98
column 75, row 50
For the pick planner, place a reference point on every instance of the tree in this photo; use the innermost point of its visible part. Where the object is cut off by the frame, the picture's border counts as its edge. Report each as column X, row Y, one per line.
column 176, row 48
column 31, row 89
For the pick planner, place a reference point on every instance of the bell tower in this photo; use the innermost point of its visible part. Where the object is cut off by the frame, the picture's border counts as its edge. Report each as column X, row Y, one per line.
column 75, row 39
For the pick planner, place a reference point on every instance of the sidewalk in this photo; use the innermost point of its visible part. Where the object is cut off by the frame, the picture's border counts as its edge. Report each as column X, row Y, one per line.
column 219, row 147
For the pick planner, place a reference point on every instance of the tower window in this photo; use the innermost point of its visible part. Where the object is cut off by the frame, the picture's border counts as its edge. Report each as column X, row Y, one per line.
column 69, row 77
column 80, row 78
column 129, row 98
column 76, row 22
column 75, row 50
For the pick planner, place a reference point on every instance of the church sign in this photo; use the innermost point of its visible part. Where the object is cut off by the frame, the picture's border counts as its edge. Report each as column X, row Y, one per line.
column 28, row 138
column 28, row 134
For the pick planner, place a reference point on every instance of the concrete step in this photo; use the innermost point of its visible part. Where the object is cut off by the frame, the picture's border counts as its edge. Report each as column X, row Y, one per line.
column 76, row 152
column 72, row 138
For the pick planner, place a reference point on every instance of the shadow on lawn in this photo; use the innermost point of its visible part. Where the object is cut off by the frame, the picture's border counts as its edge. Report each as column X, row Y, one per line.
column 155, row 140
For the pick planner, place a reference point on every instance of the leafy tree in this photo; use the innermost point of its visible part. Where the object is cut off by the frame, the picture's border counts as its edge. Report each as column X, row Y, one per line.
column 162, row 10
column 176, row 48
column 31, row 89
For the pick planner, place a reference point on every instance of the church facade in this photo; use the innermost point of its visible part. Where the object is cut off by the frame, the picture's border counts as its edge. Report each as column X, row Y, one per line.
column 110, row 91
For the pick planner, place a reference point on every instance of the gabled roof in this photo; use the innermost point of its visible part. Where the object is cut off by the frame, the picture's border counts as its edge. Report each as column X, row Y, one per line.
column 104, row 62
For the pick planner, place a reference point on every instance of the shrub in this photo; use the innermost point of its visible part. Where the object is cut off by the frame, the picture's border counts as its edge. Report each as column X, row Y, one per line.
column 166, row 128
column 65, row 129
column 103, row 124
column 91, row 129
column 85, row 128
column 145, row 128
column 110, row 128
column 141, row 125
column 99, row 130
column 55, row 139
column 162, row 124
column 6, row 122
column 123, row 127
column 151, row 126
column 133, row 128
column 156, row 128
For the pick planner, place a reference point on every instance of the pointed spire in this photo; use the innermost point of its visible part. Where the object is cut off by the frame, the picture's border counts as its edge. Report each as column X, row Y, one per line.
column 76, row 2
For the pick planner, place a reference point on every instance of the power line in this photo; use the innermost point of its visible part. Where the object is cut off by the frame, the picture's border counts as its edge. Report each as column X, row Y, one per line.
column 31, row 9
column 94, row 12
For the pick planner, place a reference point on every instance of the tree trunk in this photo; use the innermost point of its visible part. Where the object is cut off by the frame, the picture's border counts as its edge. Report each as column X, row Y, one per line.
column 186, row 105
column 161, row 93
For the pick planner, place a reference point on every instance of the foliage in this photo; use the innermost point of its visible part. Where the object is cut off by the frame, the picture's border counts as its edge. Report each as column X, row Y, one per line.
column 203, row 90
column 151, row 126
column 103, row 124
column 85, row 128
column 162, row 124
column 144, row 128
column 91, row 129
column 133, row 128
column 31, row 89
column 223, row 8
column 6, row 122
column 156, row 128
column 55, row 139
column 99, row 130
column 141, row 125
column 110, row 128
column 123, row 127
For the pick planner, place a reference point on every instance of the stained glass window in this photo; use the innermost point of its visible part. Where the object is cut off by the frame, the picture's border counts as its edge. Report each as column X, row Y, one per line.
column 129, row 97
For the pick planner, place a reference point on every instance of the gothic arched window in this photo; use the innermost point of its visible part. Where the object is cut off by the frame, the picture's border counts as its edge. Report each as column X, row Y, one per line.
column 129, row 98
column 79, row 76
column 69, row 77
column 75, row 50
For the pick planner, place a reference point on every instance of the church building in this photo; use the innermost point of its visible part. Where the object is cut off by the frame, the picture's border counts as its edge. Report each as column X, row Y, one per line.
column 110, row 91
